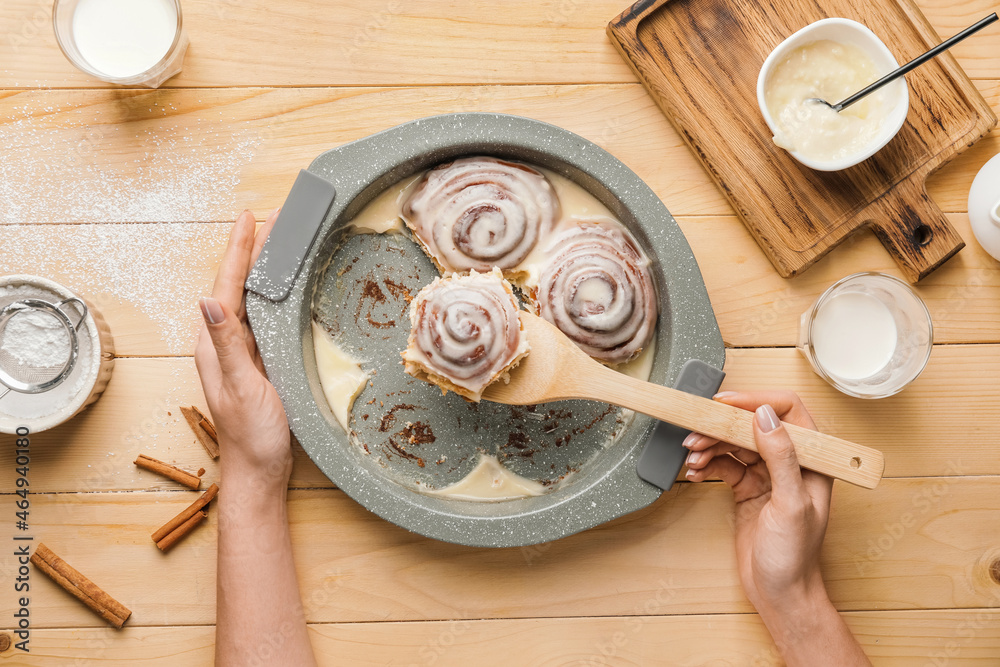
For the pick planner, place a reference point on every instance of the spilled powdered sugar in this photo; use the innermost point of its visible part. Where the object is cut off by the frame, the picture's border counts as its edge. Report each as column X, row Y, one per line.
column 101, row 159
column 152, row 266
column 59, row 165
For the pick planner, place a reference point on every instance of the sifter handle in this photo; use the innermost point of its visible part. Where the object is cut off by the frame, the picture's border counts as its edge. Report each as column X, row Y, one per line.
column 81, row 310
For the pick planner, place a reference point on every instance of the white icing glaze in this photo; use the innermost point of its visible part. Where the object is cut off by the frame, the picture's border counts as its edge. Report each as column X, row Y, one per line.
column 577, row 204
column 490, row 481
column 466, row 331
column 829, row 71
column 339, row 374
column 480, row 212
column 641, row 367
column 382, row 214
column 614, row 316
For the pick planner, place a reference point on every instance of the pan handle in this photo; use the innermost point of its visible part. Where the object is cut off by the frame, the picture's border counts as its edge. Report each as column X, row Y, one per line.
column 294, row 232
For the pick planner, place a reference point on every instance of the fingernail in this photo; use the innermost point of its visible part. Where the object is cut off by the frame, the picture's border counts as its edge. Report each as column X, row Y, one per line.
column 723, row 394
column 767, row 419
column 689, row 474
column 694, row 458
column 691, row 439
column 211, row 310
column 274, row 212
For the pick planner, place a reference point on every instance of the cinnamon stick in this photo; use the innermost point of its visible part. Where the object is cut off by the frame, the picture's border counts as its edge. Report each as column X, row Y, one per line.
column 191, row 510
column 209, row 428
column 167, row 470
column 202, row 429
column 181, row 530
column 80, row 586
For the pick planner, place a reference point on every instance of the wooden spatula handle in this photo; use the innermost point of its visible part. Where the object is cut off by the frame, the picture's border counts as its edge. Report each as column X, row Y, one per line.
column 817, row 451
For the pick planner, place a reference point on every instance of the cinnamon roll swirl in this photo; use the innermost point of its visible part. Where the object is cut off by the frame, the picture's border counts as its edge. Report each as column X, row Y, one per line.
column 465, row 333
column 596, row 287
column 481, row 212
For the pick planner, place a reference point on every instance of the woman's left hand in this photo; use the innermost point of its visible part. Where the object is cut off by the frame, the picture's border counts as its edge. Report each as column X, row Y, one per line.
column 249, row 417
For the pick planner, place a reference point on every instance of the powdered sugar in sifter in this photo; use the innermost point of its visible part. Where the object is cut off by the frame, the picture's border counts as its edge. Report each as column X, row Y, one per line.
column 56, row 353
column 39, row 344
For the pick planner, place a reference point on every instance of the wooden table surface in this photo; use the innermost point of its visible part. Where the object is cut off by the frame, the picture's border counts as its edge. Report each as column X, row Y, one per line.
column 85, row 169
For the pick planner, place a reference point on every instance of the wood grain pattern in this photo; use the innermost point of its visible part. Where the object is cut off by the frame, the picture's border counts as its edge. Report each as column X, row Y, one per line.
column 700, row 63
column 753, row 305
column 664, row 577
column 890, row 638
column 915, row 430
column 255, row 43
column 281, row 130
column 926, row 543
column 556, row 369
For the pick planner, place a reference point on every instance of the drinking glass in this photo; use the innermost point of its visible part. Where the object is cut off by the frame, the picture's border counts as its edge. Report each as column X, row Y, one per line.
column 170, row 64
column 914, row 335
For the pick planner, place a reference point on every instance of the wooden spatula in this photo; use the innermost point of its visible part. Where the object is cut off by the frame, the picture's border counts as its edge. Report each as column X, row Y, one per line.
column 557, row 370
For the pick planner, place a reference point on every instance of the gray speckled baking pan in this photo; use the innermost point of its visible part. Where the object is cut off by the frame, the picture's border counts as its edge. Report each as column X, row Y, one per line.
column 404, row 435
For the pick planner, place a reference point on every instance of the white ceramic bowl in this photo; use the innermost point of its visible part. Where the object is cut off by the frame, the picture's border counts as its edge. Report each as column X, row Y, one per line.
column 844, row 31
column 85, row 383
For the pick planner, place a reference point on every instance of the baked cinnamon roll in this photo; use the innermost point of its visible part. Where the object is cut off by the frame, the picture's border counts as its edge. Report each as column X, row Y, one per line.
column 465, row 333
column 596, row 287
column 481, row 212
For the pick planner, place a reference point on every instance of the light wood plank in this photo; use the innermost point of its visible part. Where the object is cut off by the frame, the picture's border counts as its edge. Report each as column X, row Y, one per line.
column 122, row 269
column 890, row 638
column 944, row 424
column 145, row 279
column 912, row 543
column 200, row 155
column 197, row 155
column 254, row 43
column 756, row 307
column 138, row 414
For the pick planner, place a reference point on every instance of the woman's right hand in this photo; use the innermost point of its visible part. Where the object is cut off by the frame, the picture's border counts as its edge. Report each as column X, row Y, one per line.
column 781, row 517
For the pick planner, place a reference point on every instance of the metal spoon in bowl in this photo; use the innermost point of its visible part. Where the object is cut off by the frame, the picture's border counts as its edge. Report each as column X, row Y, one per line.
column 916, row 62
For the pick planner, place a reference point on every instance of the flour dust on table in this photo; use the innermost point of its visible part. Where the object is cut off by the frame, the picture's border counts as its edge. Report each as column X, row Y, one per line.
column 166, row 168
column 126, row 265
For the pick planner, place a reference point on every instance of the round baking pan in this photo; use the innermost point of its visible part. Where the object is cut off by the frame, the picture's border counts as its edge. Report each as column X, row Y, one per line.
column 405, row 437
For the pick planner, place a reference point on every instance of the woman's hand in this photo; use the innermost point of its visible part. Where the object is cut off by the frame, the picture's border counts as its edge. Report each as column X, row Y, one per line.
column 259, row 610
column 251, row 422
column 781, row 517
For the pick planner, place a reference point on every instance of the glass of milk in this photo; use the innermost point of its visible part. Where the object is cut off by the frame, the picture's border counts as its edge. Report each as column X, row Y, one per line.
column 869, row 335
column 125, row 42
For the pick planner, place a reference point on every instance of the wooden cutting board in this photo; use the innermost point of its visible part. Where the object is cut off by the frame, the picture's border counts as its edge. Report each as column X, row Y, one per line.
column 699, row 59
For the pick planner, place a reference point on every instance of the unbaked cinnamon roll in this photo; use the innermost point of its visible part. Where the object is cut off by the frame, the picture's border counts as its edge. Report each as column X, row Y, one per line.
column 596, row 287
column 465, row 333
column 481, row 212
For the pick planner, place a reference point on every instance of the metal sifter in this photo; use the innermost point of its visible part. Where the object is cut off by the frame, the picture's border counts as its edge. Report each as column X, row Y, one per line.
column 39, row 344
